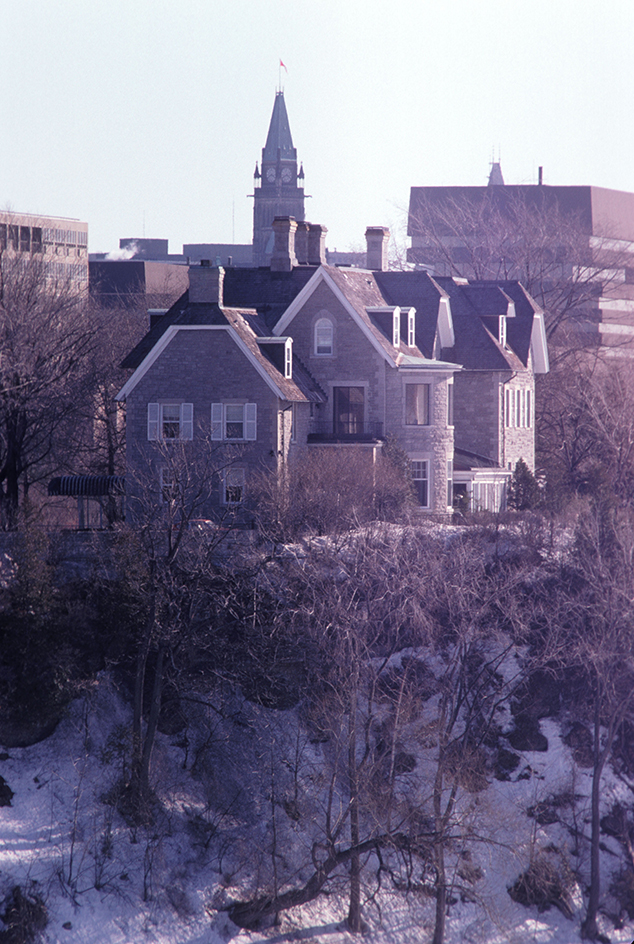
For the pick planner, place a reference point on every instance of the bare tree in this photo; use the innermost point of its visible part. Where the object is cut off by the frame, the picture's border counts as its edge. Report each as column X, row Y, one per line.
column 44, row 342
column 505, row 235
column 405, row 636
column 172, row 561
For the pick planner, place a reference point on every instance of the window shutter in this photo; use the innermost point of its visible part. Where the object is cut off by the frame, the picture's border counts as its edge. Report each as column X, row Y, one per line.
column 187, row 420
column 153, row 421
column 216, row 422
column 250, row 420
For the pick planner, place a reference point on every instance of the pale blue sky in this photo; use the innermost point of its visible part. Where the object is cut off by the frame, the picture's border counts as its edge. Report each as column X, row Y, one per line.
column 147, row 116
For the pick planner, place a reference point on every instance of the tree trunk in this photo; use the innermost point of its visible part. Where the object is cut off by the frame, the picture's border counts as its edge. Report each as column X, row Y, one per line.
column 589, row 929
column 354, row 910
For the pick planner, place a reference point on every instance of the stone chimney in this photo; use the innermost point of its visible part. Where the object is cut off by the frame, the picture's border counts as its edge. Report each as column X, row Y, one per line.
column 376, row 240
column 316, row 244
column 205, row 283
column 301, row 242
column 284, row 258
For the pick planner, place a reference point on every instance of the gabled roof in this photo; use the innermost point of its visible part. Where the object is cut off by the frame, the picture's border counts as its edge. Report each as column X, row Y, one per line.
column 279, row 138
column 243, row 326
column 476, row 348
column 359, row 291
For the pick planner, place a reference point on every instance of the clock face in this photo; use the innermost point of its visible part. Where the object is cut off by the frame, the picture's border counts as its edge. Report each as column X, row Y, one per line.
column 270, row 174
column 286, row 175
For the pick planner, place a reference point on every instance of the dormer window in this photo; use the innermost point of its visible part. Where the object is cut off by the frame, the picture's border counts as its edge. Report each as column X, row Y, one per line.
column 502, row 331
column 396, row 328
column 323, row 336
column 411, row 328
column 288, row 359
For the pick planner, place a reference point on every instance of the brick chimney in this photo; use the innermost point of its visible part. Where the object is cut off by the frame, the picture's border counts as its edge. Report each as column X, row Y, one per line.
column 284, row 258
column 301, row 242
column 316, row 244
column 376, row 239
column 206, row 283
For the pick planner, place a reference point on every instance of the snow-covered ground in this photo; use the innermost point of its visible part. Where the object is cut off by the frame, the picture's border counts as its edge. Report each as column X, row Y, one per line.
column 105, row 882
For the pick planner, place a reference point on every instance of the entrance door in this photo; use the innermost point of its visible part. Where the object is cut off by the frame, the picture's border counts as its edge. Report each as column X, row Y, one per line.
column 348, row 411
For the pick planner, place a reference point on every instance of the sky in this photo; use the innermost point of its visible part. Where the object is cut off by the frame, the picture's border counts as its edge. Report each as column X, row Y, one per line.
column 146, row 117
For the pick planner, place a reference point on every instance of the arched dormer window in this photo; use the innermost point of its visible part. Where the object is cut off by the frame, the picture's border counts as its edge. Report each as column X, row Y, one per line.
column 323, row 336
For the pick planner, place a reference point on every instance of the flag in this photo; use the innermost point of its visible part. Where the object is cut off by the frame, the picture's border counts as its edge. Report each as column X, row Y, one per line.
column 282, row 66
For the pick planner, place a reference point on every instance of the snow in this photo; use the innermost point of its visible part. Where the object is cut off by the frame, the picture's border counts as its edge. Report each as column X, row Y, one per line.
column 154, row 885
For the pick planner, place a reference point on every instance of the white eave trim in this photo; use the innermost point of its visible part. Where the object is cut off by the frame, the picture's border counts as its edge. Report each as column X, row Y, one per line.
column 321, row 275
column 539, row 345
column 168, row 336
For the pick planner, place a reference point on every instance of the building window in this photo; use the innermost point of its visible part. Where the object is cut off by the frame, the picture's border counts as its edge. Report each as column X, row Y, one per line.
column 323, row 336
column 420, row 480
column 449, row 481
column 417, row 404
column 288, row 359
column 519, row 407
column 167, row 421
column 450, row 404
column 233, row 422
column 348, row 410
column 411, row 328
column 233, row 482
column 170, row 490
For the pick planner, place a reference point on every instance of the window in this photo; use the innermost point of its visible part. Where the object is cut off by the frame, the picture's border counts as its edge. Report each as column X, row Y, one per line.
column 348, row 410
column 233, row 482
column 519, row 406
column 502, row 334
column 323, row 336
column 411, row 328
column 417, row 404
column 169, row 486
column 288, row 359
column 420, row 480
column 167, row 421
column 234, row 422
column 450, row 404
column 449, row 481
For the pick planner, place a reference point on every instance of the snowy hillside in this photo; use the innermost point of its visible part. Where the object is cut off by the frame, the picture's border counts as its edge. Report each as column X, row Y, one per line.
column 106, row 882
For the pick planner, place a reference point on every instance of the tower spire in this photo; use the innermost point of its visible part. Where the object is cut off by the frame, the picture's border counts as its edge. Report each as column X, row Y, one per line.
column 281, row 191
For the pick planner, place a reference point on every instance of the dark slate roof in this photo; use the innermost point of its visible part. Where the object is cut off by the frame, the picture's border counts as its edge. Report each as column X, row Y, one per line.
column 270, row 293
column 362, row 290
column 464, row 461
column 279, row 136
column 415, row 290
column 476, row 348
column 247, row 325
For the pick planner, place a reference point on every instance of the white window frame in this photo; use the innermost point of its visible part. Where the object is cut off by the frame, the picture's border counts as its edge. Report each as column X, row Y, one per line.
column 219, row 422
column 426, row 467
column 233, row 478
column 429, row 403
column 156, row 421
column 325, row 325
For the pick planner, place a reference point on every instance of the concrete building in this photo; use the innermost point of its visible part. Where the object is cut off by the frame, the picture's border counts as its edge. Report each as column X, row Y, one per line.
column 605, row 222
column 61, row 242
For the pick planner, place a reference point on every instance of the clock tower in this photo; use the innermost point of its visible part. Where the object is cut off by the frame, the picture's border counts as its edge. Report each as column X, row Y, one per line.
column 278, row 188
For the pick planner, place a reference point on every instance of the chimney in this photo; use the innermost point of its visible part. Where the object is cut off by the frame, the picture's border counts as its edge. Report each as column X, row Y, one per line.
column 301, row 242
column 205, row 283
column 284, row 258
column 316, row 244
column 376, row 239
column 540, row 176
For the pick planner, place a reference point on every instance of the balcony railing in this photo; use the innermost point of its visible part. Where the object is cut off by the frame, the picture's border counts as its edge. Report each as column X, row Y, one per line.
column 345, row 432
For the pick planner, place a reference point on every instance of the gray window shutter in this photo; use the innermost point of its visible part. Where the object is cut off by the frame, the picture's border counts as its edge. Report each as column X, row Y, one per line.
column 250, row 420
column 187, row 420
column 153, row 421
column 216, row 422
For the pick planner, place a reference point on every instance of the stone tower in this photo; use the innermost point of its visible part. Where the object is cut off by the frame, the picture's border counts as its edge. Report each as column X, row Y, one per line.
column 278, row 185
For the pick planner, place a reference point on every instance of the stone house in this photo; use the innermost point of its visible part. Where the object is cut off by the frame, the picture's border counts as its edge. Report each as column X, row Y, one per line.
column 301, row 355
